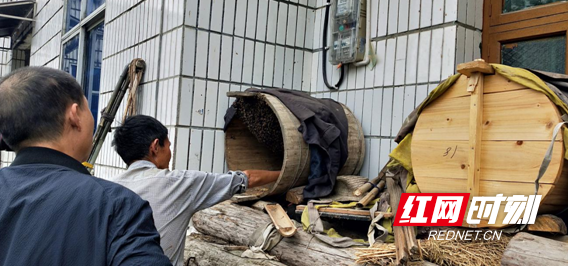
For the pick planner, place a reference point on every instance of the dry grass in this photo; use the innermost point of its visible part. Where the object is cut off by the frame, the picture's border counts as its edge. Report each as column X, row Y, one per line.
column 443, row 252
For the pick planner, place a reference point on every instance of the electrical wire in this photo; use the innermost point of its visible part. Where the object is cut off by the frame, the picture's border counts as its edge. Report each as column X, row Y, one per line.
column 324, row 57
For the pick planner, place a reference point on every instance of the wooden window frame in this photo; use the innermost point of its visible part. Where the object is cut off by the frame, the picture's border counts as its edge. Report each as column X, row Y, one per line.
column 532, row 23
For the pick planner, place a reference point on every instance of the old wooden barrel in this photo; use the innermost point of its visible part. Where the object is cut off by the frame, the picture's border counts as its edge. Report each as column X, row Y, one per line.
column 244, row 151
column 515, row 130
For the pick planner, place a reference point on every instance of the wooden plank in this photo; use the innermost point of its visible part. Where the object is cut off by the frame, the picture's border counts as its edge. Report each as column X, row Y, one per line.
column 470, row 68
column 346, row 211
column 527, row 249
column 512, row 161
column 486, row 188
column 521, row 114
column 475, row 131
column 548, row 223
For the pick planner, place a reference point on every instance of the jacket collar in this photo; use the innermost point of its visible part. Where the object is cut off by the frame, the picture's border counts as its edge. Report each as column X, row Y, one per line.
column 141, row 164
column 40, row 155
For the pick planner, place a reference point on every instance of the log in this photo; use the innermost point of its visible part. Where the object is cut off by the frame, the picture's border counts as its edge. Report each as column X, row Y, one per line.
column 527, row 249
column 548, row 223
column 234, row 223
column 295, row 195
column 200, row 252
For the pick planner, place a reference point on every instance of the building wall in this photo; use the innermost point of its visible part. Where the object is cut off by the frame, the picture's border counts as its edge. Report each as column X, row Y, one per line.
column 197, row 50
column 418, row 44
column 195, row 57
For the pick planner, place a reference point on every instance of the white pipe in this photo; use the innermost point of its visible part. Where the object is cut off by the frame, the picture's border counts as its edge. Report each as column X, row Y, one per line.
column 366, row 59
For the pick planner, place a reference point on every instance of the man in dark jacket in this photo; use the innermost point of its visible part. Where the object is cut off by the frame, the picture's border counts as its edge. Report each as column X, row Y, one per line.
column 52, row 212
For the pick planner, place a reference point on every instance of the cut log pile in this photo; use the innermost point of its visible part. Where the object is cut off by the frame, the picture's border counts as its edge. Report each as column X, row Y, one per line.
column 235, row 224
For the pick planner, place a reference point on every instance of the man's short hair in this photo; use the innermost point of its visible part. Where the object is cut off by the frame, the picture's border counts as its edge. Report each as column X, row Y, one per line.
column 133, row 139
column 33, row 101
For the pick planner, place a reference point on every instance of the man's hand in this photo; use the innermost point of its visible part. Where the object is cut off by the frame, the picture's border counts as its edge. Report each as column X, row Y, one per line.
column 258, row 178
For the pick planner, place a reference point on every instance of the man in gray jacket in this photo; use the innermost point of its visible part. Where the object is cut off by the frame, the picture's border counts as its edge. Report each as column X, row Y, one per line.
column 142, row 142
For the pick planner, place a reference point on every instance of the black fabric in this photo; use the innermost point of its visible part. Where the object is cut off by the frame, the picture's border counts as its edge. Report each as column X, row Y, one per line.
column 52, row 212
column 324, row 127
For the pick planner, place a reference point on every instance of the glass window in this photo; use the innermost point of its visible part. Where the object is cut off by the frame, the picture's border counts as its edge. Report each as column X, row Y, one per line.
column 71, row 56
column 546, row 54
column 73, row 14
column 516, row 5
column 82, row 49
column 92, row 5
column 92, row 74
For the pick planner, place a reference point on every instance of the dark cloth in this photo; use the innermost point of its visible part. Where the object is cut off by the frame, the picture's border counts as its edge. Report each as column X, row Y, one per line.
column 558, row 83
column 324, row 127
column 52, row 212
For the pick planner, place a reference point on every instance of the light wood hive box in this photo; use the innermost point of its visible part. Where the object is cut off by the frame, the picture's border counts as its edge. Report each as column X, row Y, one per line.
column 490, row 141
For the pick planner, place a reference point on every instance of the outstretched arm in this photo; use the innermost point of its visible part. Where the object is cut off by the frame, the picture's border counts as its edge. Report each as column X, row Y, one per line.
column 258, row 178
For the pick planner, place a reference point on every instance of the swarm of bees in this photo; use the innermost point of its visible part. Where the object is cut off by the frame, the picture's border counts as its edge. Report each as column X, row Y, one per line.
column 261, row 122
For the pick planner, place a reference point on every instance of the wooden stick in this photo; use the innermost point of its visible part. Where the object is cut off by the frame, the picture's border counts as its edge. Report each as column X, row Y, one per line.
column 405, row 239
column 395, row 192
column 366, row 187
column 347, row 211
column 371, row 195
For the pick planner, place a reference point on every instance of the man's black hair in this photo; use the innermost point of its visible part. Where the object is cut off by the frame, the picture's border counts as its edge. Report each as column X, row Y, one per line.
column 133, row 139
column 33, row 101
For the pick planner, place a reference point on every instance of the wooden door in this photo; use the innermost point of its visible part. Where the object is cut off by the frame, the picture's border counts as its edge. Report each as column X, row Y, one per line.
column 526, row 33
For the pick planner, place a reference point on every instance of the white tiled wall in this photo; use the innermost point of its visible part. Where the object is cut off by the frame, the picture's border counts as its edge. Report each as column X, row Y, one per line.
column 197, row 50
column 418, row 44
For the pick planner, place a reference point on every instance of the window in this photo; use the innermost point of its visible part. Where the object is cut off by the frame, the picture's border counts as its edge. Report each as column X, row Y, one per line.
column 526, row 33
column 81, row 54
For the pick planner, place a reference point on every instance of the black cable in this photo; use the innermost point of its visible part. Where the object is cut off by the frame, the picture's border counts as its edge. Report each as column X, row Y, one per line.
column 324, row 57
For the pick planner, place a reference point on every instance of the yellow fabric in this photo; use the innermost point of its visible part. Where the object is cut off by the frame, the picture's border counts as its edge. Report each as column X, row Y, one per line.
column 401, row 154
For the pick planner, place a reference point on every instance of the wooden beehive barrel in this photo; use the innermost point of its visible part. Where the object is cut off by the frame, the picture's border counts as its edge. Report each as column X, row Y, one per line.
column 243, row 151
column 515, row 130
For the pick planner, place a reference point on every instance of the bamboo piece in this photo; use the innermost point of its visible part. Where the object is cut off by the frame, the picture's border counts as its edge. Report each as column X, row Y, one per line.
column 280, row 220
column 372, row 194
column 365, row 187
